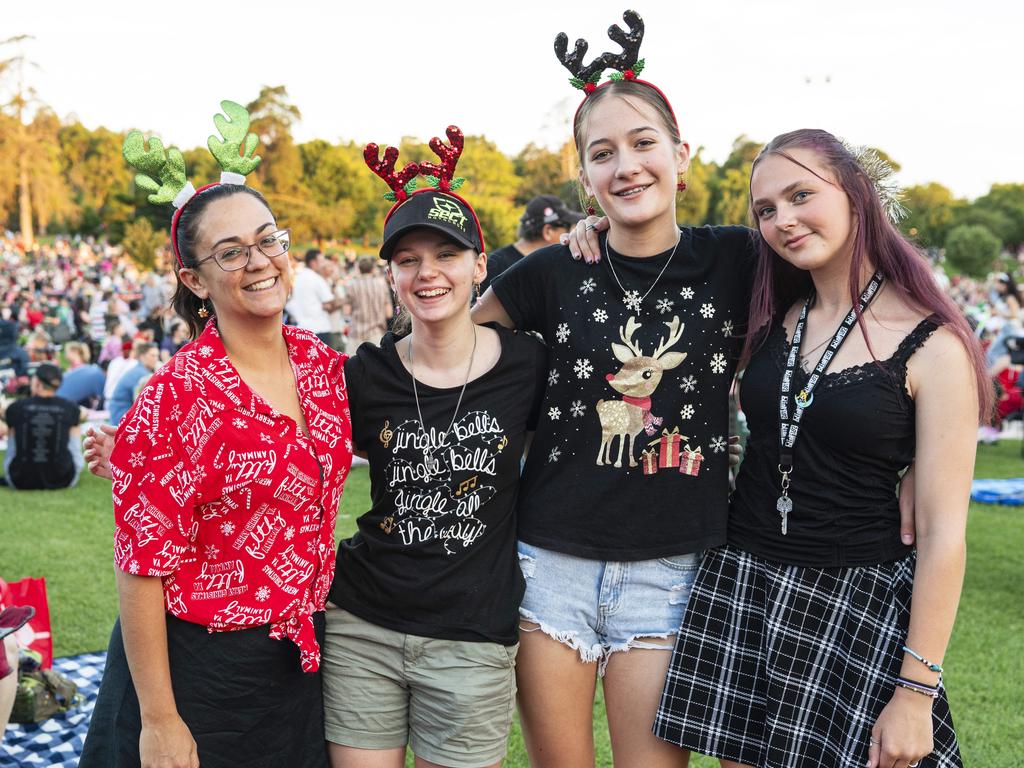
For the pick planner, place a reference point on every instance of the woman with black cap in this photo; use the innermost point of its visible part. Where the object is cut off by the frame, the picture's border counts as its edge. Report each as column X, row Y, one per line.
column 422, row 650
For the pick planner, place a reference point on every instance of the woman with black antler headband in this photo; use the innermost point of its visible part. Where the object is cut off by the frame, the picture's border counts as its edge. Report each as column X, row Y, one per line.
column 626, row 479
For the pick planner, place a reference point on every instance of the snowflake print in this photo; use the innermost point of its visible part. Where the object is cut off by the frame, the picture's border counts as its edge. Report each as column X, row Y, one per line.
column 562, row 334
column 211, row 552
column 262, row 594
column 578, row 408
column 588, row 285
column 553, row 456
column 600, row 315
column 227, row 528
column 205, row 351
column 664, row 305
column 553, row 377
column 132, row 439
column 554, row 413
column 687, row 292
column 718, row 444
column 313, row 353
column 727, row 328
column 198, row 474
column 175, row 412
column 133, row 566
column 687, row 412
column 718, row 363
column 238, row 422
column 583, row 369
column 632, row 300
column 688, row 384
column 289, row 533
column 707, row 311
column 136, row 459
column 348, row 444
column 266, row 438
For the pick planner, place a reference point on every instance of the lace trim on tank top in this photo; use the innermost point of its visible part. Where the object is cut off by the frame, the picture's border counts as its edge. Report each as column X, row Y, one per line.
column 894, row 367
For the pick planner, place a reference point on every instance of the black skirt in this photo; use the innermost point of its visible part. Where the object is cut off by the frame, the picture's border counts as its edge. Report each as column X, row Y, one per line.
column 243, row 696
column 775, row 665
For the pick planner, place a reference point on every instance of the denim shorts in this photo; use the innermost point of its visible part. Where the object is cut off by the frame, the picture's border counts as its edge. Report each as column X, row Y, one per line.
column 599, row 607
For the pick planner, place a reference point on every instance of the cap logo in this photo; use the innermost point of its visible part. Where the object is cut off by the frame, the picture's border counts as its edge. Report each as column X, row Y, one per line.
column 447, row 211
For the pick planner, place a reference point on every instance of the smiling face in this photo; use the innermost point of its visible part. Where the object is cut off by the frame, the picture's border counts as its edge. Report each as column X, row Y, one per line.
column 805, row 218
column 433, row 276
column 630, row 162
column 261, row 289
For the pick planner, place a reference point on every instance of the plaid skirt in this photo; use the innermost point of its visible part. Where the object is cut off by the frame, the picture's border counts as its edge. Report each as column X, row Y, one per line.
column 777, row 664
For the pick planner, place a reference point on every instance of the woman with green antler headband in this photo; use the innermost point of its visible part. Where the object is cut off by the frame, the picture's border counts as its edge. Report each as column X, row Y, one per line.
column 227, row 473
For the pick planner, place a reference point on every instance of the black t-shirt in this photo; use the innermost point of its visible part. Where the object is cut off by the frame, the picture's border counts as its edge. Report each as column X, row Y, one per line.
column 435, row 556
column 663, row 420
column 854, row 440
column 42, row 427
column 498, row 262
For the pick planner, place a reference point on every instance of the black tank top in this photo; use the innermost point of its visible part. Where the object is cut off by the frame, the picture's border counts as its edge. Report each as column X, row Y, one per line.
column 853, row 443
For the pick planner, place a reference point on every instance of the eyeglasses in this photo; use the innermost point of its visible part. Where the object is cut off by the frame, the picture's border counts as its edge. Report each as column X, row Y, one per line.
column 236, row 257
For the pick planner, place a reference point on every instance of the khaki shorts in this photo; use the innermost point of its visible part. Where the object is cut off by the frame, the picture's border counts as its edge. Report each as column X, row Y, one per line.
column 450, row 700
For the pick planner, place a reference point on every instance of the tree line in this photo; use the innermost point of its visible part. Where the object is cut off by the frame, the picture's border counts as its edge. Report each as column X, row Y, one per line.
column 61, row 176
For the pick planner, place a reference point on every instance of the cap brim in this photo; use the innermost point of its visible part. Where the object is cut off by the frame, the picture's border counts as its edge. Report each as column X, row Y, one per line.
column 388, row 246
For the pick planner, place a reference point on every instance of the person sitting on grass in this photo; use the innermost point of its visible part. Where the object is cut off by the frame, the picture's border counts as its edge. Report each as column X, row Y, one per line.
column 43, row 446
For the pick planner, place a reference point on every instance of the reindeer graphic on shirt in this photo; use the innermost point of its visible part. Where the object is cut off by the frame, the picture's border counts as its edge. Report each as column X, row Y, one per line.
column 636, row 381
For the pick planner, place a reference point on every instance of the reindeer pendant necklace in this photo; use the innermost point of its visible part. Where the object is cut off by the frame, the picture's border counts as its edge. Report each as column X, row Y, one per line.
column 430, row 463
column 633, row 299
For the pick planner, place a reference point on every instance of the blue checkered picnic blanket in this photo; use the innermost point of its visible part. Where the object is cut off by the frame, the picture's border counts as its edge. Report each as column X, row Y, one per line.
column 57, row 742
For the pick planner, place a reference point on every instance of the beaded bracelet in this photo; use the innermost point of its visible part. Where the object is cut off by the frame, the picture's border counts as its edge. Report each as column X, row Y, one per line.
column 924, row 690
column 923, row 660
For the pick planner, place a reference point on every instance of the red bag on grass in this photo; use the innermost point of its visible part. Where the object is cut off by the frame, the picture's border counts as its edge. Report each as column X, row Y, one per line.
column 36, row 634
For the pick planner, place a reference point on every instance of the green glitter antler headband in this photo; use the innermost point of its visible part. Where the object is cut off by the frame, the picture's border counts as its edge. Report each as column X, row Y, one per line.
column 162, row 172
column 235, row 130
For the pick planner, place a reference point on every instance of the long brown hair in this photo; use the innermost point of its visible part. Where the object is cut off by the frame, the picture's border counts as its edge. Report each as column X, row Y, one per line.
column 778, row 284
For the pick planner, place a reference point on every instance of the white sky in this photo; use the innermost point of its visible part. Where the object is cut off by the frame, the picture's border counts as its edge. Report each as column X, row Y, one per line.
column 937, row 84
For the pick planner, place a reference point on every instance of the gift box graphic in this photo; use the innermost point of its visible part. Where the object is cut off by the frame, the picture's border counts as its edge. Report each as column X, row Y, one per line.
column 690, row 463
column 649, row 458
column 668, row 448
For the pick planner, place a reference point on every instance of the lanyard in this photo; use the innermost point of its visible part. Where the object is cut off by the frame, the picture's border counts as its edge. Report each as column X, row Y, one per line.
column 789, row 423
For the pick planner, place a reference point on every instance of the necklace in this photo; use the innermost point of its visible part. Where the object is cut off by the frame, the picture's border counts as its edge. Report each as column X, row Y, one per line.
column 430, row 463
column 789, row 424
column 633, row 299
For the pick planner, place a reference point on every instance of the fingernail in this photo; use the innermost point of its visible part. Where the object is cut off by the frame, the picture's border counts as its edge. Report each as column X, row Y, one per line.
column 576, row 256
column 907, row 538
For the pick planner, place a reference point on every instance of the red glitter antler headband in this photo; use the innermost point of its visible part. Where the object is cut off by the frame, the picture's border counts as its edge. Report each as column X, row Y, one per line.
column 439, row 176
column 627, row 64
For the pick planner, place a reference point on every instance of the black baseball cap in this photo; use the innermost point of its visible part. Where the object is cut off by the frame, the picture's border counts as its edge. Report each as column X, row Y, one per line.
column 49, row 374
column 448, row 214
column 548, row 209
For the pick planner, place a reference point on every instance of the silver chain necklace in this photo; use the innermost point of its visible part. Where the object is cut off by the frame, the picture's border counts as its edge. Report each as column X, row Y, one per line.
column 429, row 462
column 633, row 299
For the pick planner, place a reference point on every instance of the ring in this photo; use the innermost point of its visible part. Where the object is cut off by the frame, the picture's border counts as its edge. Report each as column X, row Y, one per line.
column 589, row 226
column 914, row 764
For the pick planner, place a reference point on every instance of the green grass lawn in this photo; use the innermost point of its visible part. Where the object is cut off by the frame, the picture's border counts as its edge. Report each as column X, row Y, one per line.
column 66, row 536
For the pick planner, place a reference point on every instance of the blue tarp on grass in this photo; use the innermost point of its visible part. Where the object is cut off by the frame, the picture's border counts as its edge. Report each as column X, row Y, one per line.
column 999, row 491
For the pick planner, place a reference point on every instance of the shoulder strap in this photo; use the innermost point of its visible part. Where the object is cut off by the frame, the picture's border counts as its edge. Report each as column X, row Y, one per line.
column 913, row 340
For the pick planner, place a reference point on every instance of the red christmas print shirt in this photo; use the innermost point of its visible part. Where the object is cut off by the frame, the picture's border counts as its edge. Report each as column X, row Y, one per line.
column 226, row 499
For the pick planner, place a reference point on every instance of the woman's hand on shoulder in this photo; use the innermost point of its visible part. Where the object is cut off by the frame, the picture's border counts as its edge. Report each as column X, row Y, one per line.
column 98, row 447
column 582, row 239
column 167, row 743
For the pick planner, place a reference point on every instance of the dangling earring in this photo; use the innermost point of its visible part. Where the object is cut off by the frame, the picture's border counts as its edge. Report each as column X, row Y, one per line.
column 203, row 311
column 476, row 292
column 591, row 206
column 588, row 203
column 681, row 185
